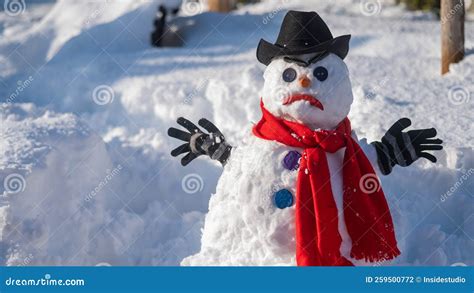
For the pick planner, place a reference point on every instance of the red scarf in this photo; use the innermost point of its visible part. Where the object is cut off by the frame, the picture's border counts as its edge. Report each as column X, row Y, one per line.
column 366, row 213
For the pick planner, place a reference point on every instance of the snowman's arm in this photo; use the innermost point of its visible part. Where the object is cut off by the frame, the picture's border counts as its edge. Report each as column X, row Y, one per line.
column 369, row 151
column 197, row 143
column 404, row 148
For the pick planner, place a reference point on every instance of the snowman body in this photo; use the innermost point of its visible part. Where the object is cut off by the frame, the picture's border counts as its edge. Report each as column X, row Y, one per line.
column 246, row 223
column 244, row 227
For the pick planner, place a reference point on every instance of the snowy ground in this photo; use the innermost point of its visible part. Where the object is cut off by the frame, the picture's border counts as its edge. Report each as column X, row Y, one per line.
column 84, row 156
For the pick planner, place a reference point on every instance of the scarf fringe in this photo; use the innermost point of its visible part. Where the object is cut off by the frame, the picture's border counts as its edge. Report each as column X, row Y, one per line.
column 379, row 256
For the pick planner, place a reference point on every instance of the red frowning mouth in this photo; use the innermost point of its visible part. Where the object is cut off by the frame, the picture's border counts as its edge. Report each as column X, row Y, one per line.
column 311, row 99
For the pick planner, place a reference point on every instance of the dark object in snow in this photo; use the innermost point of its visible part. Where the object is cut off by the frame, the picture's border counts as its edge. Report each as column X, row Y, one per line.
column 303, row 33
column 403, row 148
column 160, row 24
column 199, row 143
column 283, row 199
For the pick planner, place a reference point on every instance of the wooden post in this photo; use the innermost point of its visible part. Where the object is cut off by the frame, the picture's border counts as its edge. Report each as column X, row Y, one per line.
column 221, row 5
column 471, row 8
column 452, row 33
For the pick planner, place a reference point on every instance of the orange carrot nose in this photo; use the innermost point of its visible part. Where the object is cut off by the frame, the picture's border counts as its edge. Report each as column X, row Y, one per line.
column 305, row 82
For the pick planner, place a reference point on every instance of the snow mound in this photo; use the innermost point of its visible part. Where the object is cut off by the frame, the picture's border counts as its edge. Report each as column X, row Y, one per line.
column 67, row 19
column 69, row 199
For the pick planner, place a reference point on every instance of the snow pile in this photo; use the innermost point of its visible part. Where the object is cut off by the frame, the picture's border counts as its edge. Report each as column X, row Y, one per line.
column 65, row 201
column 41, row 147
column 114, row 96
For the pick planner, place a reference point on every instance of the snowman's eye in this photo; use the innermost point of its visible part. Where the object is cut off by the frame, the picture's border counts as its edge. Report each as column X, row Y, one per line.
column 320, row 73
column 289, row 75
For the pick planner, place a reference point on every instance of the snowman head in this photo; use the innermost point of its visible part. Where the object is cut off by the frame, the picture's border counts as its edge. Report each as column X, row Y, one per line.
column 306, row 80
column 310, row 89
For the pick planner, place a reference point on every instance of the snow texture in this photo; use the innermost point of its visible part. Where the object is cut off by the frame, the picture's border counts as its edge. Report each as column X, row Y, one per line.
column 86, row 102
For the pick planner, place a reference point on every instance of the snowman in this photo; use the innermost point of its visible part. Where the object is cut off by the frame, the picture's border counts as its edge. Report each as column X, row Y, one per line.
column 302, row 190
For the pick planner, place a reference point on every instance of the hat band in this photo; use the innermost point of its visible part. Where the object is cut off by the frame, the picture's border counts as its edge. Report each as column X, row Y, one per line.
column 298, row 44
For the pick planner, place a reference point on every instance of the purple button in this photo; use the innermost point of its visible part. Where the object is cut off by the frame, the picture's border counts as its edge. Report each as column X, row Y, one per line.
column 291, row 160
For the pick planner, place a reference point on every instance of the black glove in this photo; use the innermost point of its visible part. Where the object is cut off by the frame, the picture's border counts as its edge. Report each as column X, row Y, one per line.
column 403, row 148
column 199, row 143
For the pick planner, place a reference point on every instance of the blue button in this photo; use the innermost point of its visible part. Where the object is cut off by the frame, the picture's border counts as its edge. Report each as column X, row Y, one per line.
column 291, row 160
column 283, row 199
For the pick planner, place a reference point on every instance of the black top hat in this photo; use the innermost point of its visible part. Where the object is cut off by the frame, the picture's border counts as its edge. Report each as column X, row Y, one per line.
column 303, row 33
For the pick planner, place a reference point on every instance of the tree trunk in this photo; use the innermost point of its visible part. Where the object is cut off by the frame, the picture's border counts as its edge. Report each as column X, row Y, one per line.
column 452, row 33
column 221, row 5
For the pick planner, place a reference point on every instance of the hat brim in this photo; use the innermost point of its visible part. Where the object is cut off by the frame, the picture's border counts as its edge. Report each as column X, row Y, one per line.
column 267, row 51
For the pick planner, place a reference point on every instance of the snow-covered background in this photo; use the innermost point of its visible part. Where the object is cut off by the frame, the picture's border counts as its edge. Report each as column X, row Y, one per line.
column 85, row 171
